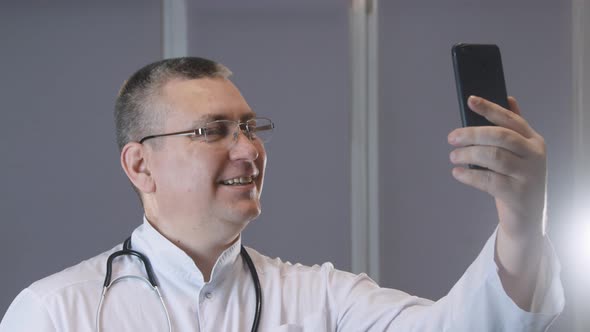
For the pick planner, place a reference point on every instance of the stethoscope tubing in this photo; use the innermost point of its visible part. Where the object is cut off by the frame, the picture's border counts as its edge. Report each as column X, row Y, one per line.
column 151, row 281
column 154, row 288
column 257, row 287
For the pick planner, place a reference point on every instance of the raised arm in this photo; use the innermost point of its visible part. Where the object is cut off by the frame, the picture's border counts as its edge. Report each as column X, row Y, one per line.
column 515, row 158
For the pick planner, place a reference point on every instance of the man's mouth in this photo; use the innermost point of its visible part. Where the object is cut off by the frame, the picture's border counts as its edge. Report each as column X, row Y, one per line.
column 237, row 181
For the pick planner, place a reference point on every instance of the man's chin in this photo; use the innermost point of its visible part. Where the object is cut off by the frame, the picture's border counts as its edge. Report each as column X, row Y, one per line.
column 243, row 212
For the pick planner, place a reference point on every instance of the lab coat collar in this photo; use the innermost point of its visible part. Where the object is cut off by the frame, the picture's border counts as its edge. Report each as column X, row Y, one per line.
column 166, row 258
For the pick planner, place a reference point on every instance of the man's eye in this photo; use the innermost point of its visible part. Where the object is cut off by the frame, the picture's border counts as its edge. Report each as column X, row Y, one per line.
column 216, row 131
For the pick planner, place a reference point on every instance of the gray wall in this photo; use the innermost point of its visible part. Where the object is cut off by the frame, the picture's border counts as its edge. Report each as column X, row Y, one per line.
column 433, row 226
column 62, row 63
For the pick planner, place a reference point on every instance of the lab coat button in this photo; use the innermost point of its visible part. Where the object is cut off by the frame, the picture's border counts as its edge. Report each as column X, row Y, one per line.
column 208, row 295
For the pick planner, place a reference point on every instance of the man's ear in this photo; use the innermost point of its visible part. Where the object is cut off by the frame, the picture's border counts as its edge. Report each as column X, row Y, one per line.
column 134, row 163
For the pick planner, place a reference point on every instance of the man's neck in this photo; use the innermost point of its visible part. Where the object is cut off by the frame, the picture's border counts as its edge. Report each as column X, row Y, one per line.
column 204, row 258
column 202, row 245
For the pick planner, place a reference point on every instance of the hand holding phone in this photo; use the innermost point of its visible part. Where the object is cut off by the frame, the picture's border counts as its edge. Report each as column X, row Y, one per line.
column 514, row 155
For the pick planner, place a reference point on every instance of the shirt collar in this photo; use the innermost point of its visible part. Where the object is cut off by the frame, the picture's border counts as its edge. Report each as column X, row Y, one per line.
column 165, row 257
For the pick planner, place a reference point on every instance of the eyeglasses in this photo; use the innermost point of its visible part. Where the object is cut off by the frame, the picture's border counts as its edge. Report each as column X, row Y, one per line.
column 225, row 132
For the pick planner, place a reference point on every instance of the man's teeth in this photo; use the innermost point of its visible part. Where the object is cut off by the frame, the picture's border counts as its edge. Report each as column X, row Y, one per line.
column 238, row 181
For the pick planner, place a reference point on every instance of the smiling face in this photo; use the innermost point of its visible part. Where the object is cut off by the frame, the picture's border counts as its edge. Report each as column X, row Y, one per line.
column 199, row 184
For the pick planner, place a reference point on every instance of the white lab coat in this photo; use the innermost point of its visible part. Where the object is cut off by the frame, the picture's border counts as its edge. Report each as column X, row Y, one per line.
column 295, row 297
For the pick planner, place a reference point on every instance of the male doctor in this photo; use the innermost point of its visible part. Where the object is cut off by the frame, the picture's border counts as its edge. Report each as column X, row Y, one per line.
column 194, row 151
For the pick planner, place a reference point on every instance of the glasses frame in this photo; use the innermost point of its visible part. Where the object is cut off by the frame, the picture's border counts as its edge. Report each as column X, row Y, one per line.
column 202, row 131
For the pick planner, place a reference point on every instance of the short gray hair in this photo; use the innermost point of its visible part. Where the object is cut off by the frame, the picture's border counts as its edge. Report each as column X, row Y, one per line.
column 136, row 113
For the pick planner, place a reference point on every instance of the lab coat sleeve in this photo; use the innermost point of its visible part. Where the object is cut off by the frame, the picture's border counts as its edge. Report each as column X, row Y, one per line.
column 477, row 302
column 27, row 313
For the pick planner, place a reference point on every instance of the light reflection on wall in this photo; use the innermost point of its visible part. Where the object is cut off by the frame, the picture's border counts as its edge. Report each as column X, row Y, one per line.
column 578, row 262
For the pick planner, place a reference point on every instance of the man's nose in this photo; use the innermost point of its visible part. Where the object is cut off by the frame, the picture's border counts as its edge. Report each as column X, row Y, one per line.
column 243, row 147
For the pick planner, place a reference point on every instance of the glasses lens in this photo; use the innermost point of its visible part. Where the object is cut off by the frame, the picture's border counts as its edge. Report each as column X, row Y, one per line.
column 225, row 132
column 260, row 128
column 218, row 131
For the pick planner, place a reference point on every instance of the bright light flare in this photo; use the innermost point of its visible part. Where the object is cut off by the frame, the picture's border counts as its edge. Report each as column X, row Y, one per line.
column 584, row 239
column 580, row 237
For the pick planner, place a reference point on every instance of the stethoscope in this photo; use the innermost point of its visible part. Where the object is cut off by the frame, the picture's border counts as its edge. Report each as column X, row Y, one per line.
column 151, row 281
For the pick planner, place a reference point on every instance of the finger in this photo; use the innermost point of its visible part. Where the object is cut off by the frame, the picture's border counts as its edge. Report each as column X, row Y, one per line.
column 513, row 104
column 488, row 181
column 493, row 158
column 500, row 116
column 492, row 136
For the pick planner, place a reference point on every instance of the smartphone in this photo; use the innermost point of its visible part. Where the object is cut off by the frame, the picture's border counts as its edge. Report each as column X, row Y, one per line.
column 478, row 71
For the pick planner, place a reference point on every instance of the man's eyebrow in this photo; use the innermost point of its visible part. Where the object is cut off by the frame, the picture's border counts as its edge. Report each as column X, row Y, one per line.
column 214, row 117
column 207, row 118
column 248, row 116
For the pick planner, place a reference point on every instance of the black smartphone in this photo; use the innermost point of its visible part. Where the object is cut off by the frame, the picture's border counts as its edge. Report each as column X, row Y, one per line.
column 478, row 71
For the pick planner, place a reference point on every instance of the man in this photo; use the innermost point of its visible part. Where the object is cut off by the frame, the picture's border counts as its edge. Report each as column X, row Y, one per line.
column 194, row 152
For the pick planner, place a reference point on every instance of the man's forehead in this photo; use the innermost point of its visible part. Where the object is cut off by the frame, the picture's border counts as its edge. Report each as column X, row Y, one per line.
column 204, row 100
column 214, row 91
